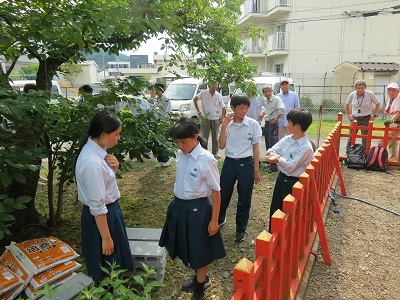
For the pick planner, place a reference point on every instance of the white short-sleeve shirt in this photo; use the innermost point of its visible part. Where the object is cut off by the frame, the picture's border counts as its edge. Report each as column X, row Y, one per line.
column 95, row 180
column 196, row 174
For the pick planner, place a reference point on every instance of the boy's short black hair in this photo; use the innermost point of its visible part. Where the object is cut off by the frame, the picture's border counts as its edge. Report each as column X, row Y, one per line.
column 86, row 89
column 159, row 87
column 237, row 100
column 300, row 116
column 30, row 87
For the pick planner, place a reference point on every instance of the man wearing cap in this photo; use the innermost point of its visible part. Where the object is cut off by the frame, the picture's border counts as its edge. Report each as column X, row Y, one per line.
column 393, row 111
column 211, row 106
column 359, row 108
column 290, row 100
column 274, row 109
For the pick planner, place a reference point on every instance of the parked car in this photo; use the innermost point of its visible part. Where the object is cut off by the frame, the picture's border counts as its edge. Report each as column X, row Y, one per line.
column 182, row 91
column 18, row 85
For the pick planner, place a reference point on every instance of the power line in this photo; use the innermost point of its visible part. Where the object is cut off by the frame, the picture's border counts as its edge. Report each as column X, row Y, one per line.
column 344, row 15
column 343, row 6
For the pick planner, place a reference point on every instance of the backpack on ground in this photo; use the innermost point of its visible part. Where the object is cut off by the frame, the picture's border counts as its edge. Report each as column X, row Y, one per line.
column 356, row 157
column 377, row 159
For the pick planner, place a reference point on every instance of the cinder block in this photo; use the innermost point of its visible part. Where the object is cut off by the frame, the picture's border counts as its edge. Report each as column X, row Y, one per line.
column 144, row 234
column 149, row 253
column 72, row 287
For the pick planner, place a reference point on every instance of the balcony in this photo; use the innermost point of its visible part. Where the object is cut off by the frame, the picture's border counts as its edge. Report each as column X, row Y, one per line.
column 253, row 49
column 258, row 11
column 278, row 44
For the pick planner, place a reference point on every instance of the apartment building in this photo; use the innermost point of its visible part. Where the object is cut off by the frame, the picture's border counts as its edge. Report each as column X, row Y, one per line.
column 139, row 65
column 307, row 39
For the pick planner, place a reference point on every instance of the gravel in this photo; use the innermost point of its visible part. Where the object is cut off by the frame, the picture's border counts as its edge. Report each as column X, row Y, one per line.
column 363, row 241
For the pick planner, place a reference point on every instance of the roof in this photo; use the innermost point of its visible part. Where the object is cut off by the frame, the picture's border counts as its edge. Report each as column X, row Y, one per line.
column 376, row 66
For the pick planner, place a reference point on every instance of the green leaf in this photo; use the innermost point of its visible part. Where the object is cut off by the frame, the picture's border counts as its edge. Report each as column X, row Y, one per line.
column 9, row 201
column 23, row 199
column 108, row 31
column 5, row 179
column 19, row 177
column 7, row 217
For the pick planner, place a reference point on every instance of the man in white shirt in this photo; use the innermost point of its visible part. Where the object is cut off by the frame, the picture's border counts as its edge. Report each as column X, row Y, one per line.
column 211, row 106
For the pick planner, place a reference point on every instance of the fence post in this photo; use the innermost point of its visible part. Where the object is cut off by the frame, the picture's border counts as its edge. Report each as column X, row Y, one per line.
column 278, row 222
column 243, row 279
column 264, row 247
column 289, row 208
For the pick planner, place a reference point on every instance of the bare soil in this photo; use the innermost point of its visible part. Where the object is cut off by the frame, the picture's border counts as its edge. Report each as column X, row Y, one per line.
column 363, row 240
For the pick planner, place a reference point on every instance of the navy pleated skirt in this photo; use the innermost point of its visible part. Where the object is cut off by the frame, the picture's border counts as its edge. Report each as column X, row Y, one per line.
column 92, row 242
column 185, row 233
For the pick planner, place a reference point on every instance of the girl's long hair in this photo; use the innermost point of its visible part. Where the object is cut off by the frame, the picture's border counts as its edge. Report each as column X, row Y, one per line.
column 102, row 122
column 186, row 128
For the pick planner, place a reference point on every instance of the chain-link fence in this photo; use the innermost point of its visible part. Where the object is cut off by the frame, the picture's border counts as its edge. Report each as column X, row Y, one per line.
column 316, row 89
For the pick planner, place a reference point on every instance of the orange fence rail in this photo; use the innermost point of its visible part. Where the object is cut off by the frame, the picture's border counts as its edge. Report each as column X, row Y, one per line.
column 282, row 255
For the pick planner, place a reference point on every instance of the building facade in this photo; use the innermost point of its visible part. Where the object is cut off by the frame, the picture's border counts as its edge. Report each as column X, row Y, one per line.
column 307, row 39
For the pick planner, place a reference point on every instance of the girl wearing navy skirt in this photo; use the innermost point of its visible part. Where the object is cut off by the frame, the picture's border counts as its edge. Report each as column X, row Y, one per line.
column 104, row 237
column 191, row 230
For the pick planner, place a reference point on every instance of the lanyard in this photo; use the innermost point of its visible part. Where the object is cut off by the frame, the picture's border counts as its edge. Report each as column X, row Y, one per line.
column 358, row 101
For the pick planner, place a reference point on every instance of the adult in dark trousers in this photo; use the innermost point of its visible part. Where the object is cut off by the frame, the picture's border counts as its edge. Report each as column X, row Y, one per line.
column 274, row 109
column 359, row 106
column 240, row 137
column 213, row 110
column 163, row 104
column 291, row 100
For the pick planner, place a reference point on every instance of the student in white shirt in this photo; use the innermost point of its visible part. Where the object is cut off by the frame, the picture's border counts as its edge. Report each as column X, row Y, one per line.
column 104, row 237
column 292, row 154
column 191, row 230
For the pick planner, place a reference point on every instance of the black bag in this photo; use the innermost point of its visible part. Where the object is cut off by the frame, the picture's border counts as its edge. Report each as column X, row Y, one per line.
column 377, row 159
column 356, row 157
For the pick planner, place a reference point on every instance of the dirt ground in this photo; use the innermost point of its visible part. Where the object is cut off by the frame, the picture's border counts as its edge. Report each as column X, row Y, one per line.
column 363, row 241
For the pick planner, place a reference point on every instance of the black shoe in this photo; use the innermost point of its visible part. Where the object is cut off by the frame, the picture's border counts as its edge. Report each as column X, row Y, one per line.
column 240, row 236
column 189, row 284
column 272, row 170
column 197, row 295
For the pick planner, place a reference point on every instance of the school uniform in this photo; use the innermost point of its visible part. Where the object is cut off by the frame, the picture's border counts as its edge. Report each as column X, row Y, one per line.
column 295, row 155
column 239, row 166
column 185, row 232
column 98, row 191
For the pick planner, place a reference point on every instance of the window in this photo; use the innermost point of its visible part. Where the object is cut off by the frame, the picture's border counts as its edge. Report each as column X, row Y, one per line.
column 279, row 68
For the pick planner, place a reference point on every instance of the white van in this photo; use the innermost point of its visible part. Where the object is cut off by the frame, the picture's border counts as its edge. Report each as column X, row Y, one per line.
column 275, row 81
column 182, row 91
column 18, row 85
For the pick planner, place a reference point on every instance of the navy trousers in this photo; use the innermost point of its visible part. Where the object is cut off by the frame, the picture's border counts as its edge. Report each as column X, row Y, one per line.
column 243, row 173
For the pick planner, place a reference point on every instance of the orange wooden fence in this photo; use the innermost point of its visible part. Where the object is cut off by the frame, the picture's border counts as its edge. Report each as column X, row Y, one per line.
column 385, row 135
column 282, row 255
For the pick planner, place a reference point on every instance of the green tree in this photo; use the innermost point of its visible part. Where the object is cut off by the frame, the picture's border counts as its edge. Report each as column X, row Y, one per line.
column 71, row 70
column 55, row 32
column 30, row 71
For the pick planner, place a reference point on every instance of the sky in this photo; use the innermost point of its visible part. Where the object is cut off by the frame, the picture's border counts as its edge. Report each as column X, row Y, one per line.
column 148, row 48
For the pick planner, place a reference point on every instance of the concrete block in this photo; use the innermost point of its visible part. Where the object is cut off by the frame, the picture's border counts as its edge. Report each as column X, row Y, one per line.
column 72, row 287
column 144, row 234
